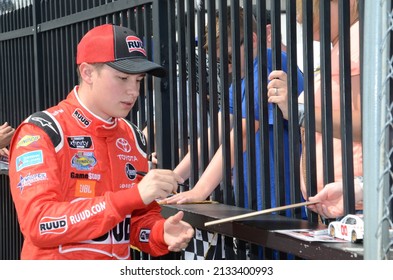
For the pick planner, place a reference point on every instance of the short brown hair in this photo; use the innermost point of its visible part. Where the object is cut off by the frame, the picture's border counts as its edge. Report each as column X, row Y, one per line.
column 97, row 66
column 229, row 28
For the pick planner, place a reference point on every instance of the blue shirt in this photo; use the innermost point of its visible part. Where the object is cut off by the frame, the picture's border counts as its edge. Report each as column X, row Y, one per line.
column 271, row 140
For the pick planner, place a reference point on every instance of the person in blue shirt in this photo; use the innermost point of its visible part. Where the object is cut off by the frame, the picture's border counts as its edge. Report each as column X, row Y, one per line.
column 212, row 175
column 258, row 148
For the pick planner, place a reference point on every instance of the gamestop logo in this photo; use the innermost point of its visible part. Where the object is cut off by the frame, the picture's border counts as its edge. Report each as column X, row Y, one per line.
column 82, row 120
column 53, row 225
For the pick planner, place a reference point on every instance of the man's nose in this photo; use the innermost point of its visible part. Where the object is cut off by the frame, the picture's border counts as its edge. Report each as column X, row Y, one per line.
column 133, row 88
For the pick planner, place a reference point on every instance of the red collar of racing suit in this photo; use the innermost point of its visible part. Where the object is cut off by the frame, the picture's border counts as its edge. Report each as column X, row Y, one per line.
column 88, row 119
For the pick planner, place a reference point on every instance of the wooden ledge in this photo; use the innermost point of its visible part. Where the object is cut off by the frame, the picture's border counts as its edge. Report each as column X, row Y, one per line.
column 260, row 230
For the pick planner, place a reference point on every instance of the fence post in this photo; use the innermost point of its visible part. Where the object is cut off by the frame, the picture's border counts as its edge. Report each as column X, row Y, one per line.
column 161, row 86
column 375, row 94
column 37, row 44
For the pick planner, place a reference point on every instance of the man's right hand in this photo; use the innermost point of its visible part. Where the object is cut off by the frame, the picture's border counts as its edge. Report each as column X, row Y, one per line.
column 158, row 184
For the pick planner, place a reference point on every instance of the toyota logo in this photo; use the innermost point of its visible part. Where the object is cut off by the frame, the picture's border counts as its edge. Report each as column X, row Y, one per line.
column 123, row 145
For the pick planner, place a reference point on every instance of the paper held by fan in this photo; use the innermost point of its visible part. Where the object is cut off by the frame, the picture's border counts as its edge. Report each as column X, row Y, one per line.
column 261, row 212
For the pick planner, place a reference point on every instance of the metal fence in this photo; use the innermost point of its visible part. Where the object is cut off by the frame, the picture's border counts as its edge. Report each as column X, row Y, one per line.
column 377, row 131
column 37, row 49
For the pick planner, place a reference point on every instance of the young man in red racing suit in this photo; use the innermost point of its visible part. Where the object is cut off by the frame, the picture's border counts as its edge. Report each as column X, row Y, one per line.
column 73, row 167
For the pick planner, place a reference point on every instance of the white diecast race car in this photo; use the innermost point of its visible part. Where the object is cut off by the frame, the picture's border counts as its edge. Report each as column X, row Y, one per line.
column 350, row 228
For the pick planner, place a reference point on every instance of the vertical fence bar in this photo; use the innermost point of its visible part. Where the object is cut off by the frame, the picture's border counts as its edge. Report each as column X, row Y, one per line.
column 374, row 116
column 37, row 47
column 326, row 92
column 346, row 107
column 191, row 91
column 202, row 101
column 149, row 80
column 138, row 114
column 224, row 104
column 250, row 110
column 160, row 31
column 293, row 121
column 308, row 61
column 263, row 108
column 215, row 101
column 173, row 80
column 182, row 77
column 235, row 84
column 278, row 122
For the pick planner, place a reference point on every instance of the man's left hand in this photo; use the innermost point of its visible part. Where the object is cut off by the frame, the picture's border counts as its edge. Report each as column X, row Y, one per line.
column 177, row 233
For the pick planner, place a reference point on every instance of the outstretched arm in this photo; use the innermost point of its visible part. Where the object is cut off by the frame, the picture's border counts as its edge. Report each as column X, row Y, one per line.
column 183, row 170
column 212, row 175
column 209, row 180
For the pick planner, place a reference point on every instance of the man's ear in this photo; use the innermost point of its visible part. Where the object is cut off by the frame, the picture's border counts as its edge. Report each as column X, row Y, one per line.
column 269, row 35
column 86, row 72
column 254, row 40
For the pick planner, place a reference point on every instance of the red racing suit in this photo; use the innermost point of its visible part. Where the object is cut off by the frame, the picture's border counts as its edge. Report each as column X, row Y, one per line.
column 74, row 184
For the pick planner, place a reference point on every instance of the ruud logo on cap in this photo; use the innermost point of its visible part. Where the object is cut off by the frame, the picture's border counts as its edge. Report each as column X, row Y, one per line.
column 135, row 45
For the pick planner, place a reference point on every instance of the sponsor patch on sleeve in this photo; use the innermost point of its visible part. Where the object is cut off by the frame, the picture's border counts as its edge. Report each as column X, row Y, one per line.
column 29, row 159
column 30, row 179
column 144, row 235
column 27, row 140
column 53, row 225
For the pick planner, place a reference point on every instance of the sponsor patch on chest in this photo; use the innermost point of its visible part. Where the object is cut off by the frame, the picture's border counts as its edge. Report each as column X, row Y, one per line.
column 85, row 188
column 83, row 121
column 80, row 142
column 83, row 161
column 89, row 176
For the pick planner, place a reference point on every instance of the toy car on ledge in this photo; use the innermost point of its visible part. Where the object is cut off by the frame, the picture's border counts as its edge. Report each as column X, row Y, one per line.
column 350, row 228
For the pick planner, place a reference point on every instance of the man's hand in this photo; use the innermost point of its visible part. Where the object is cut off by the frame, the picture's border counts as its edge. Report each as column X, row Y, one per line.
column 4, row 152
column 277, row 91
column 6, row 133
column 330, row 201
column 158, row 184
column 177, row 233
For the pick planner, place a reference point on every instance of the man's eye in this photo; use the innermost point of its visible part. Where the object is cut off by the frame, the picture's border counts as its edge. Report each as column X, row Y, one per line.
column 123, row 78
